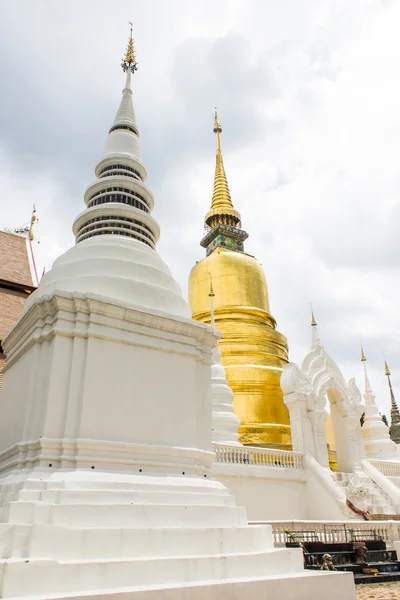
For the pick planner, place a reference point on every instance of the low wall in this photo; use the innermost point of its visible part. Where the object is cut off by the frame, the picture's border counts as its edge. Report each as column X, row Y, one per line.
column 274, row 493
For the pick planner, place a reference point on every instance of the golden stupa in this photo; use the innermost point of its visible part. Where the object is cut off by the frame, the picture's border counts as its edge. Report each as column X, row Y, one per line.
column 253, row 351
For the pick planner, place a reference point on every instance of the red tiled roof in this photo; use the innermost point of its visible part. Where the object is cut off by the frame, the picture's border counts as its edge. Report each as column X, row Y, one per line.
column 14, row 261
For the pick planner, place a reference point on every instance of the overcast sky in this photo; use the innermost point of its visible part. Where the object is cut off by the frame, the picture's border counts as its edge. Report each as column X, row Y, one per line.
column 308, row 93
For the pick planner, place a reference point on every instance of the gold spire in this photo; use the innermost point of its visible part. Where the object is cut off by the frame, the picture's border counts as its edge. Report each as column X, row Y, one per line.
column 221, row 203
column 363, row 359
column 33, row 221
column 387, row 370
column 129, row 60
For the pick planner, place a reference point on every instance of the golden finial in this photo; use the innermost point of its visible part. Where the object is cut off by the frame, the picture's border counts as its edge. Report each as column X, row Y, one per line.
column 363, row 359
column 211, row 287
column 221, row 203
column 33, row 221
column 129, row 60
column 217, row 124
column 387, row 370
column 313, row 321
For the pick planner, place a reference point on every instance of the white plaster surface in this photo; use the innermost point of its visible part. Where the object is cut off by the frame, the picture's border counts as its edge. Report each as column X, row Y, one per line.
column 267, row 493
column 118, row 268
column 225, row 424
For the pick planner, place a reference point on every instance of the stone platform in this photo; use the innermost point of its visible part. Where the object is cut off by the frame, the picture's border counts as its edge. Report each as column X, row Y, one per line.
column 110, row 536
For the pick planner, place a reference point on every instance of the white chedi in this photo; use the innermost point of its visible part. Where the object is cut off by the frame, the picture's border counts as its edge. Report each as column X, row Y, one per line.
column 377, row 442
column 225, row 423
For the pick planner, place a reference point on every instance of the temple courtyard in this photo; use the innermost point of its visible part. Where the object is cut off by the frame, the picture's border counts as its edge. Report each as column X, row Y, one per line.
column 379, row 591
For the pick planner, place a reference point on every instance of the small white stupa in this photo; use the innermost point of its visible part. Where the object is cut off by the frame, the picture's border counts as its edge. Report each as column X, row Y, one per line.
column 377, row 442
column 225, row 424
column 105, row 425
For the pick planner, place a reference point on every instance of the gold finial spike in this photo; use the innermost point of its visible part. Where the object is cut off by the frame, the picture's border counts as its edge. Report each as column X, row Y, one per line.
column 211, row 287
column 363, row 359
column 222, row 210
column 33, row 221
column 217, row 124
column 129, row 61
column 313, row 321
column 387, row 370
column 217, row 130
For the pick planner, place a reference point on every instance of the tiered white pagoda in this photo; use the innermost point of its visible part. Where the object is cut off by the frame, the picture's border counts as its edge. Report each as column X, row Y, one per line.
column 377, row 442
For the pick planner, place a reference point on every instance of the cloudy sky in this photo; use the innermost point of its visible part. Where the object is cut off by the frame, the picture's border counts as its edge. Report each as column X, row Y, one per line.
column 309, row 98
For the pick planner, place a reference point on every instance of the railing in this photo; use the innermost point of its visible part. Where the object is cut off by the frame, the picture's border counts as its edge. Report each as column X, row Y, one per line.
column 383, row 482
column 332, row 531
column 328, row 483
column 248, row 455
column 390, row 469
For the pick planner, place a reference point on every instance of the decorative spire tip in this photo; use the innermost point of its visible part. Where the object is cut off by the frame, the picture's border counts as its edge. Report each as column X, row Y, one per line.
column 363, row 359
column 217, row 124
column 211, row 294
column 387, row 370
column 313, row 321
column 129, row 61
column 33, row 221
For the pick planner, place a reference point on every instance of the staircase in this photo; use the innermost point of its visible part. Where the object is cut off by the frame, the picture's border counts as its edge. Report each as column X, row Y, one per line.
column 376, row 500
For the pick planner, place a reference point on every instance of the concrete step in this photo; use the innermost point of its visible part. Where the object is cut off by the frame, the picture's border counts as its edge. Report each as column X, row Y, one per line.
column 99, row 496
column 105, row 481
column 29, row 578
column 307, row 585
column 62, row 543
column 123, row 515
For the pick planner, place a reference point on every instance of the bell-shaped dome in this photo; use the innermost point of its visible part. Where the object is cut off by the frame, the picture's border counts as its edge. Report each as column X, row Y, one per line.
column 119, row 268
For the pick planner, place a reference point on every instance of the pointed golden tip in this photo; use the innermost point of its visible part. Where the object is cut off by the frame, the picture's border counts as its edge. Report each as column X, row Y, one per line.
column 313, row 321
column 211, row 287
column 129, row 60
column 387, row 370
column 217, row 124
column 221, row 202
column 363, row 359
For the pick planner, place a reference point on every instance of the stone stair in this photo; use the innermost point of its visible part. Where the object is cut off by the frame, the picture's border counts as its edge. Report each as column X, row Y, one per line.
column 106, row 536
column 377, row 502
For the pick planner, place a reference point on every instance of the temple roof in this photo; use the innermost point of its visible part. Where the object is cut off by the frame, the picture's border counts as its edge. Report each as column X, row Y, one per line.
column 17, row 278
column 15, row 262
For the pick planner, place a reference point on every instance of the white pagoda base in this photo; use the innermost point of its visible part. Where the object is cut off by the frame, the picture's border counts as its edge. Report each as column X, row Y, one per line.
column 78, row 534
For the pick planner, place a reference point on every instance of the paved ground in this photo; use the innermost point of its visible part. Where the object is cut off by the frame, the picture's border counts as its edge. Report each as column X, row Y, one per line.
column 379, row 591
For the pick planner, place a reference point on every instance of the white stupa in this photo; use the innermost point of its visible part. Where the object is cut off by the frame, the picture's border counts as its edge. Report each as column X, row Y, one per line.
column 105, row 425
column 377, row 442
column 225, row 424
